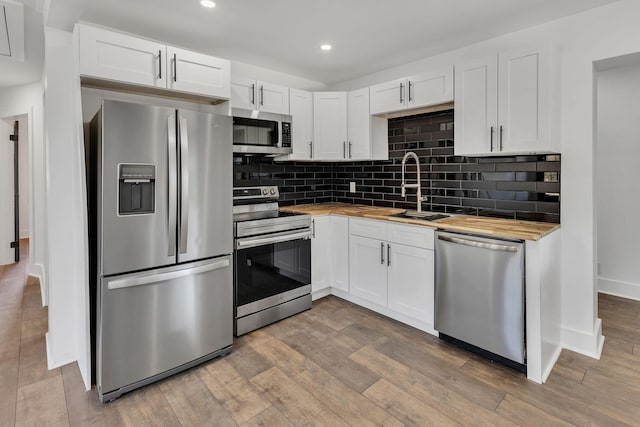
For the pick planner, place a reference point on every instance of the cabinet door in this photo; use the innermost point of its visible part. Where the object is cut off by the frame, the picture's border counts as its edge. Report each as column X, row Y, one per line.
column 114, row 56
column 340, row 252
column 272, row 98
column 321, row 253
column 410, row 281
column 330, row 125
column 476, row 101
column 301, row 103
column 432, row 88
column 359, row 125
column 523, row 88
column 197, row 73
column 243, row 93
column 389, row 96
column 368, row 269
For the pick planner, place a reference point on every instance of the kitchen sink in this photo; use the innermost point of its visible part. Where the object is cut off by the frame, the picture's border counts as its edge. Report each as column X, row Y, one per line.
column 423, row 216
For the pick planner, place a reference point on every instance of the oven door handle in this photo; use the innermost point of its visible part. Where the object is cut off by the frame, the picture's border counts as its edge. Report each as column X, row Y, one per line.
column 278, row 238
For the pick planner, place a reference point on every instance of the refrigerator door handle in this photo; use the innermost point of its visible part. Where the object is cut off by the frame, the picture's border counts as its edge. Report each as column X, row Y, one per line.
column 184, row 184
column 171, row 275
column 173, row 178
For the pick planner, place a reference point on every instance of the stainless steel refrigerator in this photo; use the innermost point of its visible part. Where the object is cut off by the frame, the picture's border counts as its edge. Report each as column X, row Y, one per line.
column 162, row 244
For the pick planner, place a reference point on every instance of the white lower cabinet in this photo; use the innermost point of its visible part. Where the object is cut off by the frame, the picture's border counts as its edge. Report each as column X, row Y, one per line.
column 340, row 253
column 392, row 266
column 410, row 281
column 368, row 269
column 320, row 254
column 329, row 254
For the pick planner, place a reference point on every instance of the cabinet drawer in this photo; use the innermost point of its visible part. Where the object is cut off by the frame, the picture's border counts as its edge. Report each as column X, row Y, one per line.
column 368, row 228
column 411, row 235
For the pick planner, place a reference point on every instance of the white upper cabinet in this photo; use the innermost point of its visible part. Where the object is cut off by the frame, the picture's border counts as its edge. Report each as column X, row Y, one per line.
column 417, row 91
column 359, row 125
column 330, row 125
column 110, row 55
column 301, row 106
column 503, row 104
column 476, row 106
column 252, row 94
column 120, row 57
column 197, row 73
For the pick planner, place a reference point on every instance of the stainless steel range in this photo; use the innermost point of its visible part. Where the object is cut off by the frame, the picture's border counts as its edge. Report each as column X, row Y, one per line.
column 272, row 259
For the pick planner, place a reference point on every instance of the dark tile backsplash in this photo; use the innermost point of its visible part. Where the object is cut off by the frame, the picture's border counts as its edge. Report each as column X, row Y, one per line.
column 520, row 187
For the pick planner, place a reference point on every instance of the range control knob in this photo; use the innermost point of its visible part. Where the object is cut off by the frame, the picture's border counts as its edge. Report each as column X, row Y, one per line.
column 273, row 191
column 265, row 191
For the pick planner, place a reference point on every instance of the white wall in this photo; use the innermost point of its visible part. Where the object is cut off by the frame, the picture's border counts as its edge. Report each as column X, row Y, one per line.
column 16, row 101
column 584, row 38
column 243, row 70
column 618, row 204
column 68, row 335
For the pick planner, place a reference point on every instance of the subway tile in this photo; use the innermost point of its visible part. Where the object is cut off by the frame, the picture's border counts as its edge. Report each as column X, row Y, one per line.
column 515, row 166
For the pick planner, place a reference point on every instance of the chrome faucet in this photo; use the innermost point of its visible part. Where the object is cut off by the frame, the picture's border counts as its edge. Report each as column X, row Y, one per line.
column 404, row 185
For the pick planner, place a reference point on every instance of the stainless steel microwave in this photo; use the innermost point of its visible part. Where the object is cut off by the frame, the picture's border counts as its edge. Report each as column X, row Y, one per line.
column 261, row 133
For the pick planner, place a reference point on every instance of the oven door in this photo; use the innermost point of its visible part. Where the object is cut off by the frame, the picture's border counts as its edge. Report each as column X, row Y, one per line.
column 271, row 269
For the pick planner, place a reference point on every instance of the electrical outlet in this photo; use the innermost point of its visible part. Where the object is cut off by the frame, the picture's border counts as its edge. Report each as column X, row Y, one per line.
column 352, row 187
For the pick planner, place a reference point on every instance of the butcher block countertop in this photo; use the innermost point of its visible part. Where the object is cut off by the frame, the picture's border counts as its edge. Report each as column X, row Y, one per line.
column 508, row 228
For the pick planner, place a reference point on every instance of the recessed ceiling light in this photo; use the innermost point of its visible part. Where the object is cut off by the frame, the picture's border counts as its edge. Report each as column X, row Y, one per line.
column 325, row 47
column 207, row 3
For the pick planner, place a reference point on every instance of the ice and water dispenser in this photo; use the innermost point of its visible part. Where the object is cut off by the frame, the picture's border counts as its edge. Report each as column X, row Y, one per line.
column 136, row 183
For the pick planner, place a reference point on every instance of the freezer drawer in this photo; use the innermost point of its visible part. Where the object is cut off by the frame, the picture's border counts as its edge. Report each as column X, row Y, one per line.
column 479, row 293
column 154, row 322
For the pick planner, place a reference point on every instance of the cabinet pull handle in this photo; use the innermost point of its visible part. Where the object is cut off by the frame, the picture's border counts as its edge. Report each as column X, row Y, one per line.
column 388, row 255
column 381, row 253
column 311, row 149
column 344, row 149
column 401, row 93
column 253, row 94
column 410, row 85
column 491, row 138
column 159, row 64
column 349, row 149
column 500, row 137
column 313, row 228
column 261, row 95
column 175, row 68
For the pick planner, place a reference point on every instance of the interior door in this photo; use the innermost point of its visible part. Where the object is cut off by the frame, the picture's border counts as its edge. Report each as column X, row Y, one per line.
column 6, row 194
column 136, row 138
column 205, row 226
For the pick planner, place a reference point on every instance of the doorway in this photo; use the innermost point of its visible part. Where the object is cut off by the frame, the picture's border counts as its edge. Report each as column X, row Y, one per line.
column 14, row 187
column 617, row 156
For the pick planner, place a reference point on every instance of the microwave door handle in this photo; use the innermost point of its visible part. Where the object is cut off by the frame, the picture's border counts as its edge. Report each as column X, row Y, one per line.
column 172, row 177
column 184, row 184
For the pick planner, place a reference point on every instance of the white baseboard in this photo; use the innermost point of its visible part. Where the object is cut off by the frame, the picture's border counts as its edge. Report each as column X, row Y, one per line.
column 37, row 271
column 51, row 363
column 551, row 364
column 321, row 293
column 619, row 288
column 589, row 344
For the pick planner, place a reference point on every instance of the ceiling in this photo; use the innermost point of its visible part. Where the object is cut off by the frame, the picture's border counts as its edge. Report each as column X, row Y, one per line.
column 26, row 66
column 285, row 35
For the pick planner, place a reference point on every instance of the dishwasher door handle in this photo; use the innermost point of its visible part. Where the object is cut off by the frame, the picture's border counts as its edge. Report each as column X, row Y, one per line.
column 476, row 244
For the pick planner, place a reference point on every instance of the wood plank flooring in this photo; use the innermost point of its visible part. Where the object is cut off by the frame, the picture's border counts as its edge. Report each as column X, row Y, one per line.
column 336, row 365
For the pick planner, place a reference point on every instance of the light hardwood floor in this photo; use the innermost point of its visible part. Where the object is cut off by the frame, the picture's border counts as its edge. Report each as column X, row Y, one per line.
column 336, row 364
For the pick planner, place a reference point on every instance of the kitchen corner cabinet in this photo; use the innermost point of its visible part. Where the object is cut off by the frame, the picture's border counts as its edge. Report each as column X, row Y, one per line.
column 392, row 267
column 321, row 239
column 250, row 94
column 123, row 58
column 330, row 255
column 504, row 105
column 301, row 107
column 412, row 92
column 329, row 125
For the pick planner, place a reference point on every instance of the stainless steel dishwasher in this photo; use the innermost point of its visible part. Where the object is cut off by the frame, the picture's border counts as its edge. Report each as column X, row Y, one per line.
column 479, row 295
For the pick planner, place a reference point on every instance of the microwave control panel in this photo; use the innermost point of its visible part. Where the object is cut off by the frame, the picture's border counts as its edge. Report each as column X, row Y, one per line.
column 286, row 134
